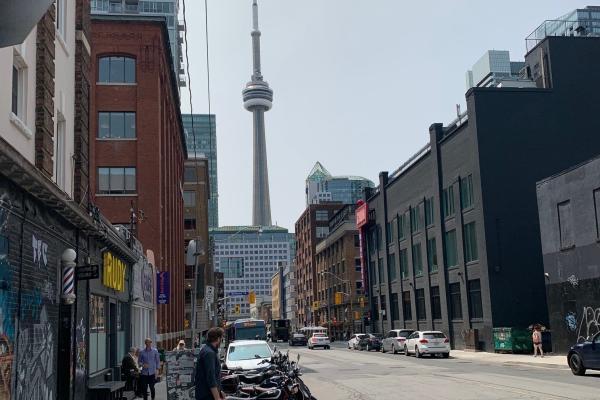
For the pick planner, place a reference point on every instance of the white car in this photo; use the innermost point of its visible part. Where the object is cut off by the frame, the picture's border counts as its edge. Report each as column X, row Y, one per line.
column 354, row 339
column 427, row 342
column 248, row 354
column 395, row 340
column 319, row 340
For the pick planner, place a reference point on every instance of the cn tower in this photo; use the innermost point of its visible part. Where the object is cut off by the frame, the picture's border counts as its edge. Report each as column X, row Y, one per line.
column 258, row 98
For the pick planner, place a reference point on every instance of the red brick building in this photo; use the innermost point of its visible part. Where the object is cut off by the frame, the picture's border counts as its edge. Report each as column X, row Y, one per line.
column 137, row 147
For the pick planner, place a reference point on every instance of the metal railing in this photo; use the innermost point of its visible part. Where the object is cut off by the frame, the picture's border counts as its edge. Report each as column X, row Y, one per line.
column 553, row 27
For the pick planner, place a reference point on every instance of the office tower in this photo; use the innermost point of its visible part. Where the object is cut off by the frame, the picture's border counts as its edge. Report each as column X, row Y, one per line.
column 322, row 187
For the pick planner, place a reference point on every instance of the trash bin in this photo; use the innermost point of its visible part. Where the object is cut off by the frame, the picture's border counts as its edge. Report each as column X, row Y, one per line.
column 512, row 340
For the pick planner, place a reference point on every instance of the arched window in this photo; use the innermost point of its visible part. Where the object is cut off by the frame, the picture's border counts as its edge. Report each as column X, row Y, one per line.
column 115, row 69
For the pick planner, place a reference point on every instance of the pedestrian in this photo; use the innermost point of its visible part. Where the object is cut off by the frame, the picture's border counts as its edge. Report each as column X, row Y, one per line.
column 208, row 367
column 180, row 346
column 130, row 370
column 536, row 336
column 149, row 360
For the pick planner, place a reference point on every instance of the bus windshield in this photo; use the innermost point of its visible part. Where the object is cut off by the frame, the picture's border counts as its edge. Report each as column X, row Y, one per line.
column 243, row 333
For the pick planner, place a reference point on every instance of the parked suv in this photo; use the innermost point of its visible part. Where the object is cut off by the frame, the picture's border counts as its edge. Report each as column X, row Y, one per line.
column 395, row 339
column 427, row 342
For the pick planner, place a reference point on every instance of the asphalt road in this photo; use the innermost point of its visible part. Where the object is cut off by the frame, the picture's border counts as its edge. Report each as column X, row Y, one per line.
column 340, row 373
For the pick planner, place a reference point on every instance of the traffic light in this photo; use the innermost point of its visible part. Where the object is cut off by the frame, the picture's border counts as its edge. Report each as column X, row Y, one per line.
column 252, row 297
column 237, row 309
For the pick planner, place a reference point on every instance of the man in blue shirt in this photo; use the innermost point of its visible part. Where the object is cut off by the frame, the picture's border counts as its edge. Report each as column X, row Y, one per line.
column 208, row 367
column 149, row 361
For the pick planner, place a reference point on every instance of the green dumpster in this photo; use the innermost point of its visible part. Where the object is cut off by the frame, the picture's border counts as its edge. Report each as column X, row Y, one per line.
column 512, row 340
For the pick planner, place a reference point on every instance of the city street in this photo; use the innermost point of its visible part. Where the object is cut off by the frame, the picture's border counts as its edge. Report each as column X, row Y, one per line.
column 340, row 373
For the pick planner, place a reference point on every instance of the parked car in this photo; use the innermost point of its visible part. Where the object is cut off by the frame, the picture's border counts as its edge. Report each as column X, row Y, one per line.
column 584, row 356
column 298, row 339
column 319, row 340
column 353, row 342
column 395, row 339
column 247, row 354
column 370, row 342
column 427, row 342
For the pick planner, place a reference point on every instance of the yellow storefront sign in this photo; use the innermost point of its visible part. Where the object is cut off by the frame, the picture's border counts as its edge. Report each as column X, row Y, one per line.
column 113, row 275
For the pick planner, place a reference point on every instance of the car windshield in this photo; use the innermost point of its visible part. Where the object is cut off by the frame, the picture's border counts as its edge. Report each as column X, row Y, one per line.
column 361, row 336
column 434, row 335
column 298, row 335
column 405, row 333
column 248, row 351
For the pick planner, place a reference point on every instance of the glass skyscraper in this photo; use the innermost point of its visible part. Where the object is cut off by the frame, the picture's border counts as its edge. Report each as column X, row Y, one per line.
column 201, row 141
column 322, row 187
column 164, row 8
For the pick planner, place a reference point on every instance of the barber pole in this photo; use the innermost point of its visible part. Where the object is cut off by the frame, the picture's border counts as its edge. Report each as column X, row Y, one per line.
column 68, row 281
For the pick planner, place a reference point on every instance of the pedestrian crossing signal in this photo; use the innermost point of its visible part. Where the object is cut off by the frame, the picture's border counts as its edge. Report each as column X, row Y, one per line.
column 237, row 308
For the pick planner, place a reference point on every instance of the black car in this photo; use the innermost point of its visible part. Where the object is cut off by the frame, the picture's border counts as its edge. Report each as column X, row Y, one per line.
column 297, row 339
column 584, row 356
column 370, row 342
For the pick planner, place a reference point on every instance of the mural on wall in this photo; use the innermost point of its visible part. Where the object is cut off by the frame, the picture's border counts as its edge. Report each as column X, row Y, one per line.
column 80, row 331
column 35, row 364
column 589, row 325
column 7, row 309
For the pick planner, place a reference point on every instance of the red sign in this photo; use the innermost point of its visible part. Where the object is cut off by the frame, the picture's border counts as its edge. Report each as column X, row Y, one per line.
column 362, row 215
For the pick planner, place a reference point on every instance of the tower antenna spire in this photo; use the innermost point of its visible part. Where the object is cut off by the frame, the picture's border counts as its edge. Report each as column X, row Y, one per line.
column 255, row 15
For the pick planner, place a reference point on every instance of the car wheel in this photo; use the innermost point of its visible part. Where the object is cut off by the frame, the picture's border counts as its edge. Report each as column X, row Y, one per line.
column 406, row 351
column 327, row 348
column 394, row 349
column 446, row 355
column 417, row 352
column 576, row 364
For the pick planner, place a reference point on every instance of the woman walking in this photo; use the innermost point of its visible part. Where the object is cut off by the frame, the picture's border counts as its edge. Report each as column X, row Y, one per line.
column 536, row 336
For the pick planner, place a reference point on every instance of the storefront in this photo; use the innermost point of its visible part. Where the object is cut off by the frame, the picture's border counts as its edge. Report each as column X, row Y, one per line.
column 143, row 307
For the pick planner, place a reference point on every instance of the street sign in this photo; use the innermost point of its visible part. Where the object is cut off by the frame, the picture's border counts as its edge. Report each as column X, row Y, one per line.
column 238, row 293
column 209, row 295
column 87, row 272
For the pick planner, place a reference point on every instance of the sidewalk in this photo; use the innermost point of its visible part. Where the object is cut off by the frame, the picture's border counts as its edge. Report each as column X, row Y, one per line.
column 549, row 361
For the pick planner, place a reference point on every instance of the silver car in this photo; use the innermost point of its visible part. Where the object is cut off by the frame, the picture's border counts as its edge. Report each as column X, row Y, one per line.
column 427, row 342
column 394, row 340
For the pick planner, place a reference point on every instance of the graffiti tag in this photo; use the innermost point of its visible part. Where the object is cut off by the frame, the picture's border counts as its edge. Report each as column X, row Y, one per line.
column 589, row 325
column 40, row 252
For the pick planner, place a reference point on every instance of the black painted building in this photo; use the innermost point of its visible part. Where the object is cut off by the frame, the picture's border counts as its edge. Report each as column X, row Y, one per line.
column 569, row 212
column 453, row 239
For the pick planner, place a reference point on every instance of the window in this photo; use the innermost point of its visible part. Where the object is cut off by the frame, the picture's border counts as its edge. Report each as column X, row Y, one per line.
column 436, row 304
column 116, row 6
column 116, row 70
column 359, row 286
column 565, row 225
column 356, row 241
column 322, row 231
column 389, row 232
column 432, row 262
column 189, row 175
column 394, row 306
column 382, row 306
column 415, row 219
column 61, row 18
column 60, row 153
column 19, row 88
column 417, row 259
column 404, row 263
column 322, row 215
column 116, row 180
column 379, row 237
column 466, row 192
column 420, row 296
column 475, row 307
column 357, row 265
column 401, row 227
column 189, row 198
column 116, row 125
column 450, row 255
column 448, row 202
column 381, row 271
column 372, row 277
column 391, row 267
column 406, row 306
column 597, row 209
column 470, row 234
column 429, row 211
column 455, row 301
column 98, row 334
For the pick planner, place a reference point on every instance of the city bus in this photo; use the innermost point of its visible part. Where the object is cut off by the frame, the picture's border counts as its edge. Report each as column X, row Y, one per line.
column 280, row 330
column 245, row 329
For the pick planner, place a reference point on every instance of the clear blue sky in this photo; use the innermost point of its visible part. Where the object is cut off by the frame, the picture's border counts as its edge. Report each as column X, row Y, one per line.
column 357, row 83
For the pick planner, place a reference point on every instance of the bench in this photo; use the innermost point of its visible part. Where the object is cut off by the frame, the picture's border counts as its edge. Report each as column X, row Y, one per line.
column 112, row 390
